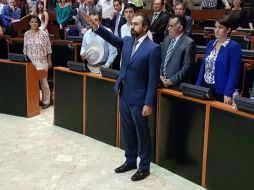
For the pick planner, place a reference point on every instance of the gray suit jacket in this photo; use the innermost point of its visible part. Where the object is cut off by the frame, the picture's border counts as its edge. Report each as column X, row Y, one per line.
column 179, row 66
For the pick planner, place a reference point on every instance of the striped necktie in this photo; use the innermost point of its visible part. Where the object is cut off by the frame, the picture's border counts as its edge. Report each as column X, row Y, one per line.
column 169, row 51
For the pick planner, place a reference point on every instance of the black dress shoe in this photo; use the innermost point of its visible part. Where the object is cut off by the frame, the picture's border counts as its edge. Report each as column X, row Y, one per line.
column 44, row 106
column 140, row 175
column 125, row 167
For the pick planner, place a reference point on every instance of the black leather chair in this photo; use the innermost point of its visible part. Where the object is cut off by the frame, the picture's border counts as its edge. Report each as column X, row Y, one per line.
column 207, row 23
column 200, row 38
column 248, row 79
column 243, row 40
column 4, row 47
column 16, row 45
column 62, row 51
column 71, row 30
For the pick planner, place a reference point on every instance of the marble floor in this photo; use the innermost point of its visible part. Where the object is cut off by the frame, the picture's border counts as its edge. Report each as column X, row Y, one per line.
column 36, row 155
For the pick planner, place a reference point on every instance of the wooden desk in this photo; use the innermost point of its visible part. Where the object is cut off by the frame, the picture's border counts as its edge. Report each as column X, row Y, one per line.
column 206, row 142
column 85, row 103
column 200, row 15
column 21, row 26
column 19, row 89
column 229, row 163
column 180, row 134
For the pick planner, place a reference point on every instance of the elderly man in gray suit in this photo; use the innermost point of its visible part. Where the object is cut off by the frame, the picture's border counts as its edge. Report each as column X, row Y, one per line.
column 178, row 54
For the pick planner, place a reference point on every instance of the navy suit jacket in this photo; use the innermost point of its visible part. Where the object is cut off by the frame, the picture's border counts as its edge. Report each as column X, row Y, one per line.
column 122, row 21
column 8, row 14
column 158, row 26
column 139, row 74
column 227, row 68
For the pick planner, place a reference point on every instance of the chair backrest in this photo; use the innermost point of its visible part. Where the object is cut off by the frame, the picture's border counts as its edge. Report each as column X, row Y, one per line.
column 62, row 52
column 200, row 38
column 77, row 51
column 248, row 79
column 4, row 47
column 207, row 23
column 16, row 45
column 71, row 30
column 53, row 29
column 243, row 40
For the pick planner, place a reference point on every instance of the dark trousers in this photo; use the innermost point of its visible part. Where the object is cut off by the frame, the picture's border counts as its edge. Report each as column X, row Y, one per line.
column 136, row 135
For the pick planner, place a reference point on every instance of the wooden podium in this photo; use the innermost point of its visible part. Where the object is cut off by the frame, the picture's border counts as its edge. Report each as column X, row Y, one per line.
column 21, row 25
column 19, row 88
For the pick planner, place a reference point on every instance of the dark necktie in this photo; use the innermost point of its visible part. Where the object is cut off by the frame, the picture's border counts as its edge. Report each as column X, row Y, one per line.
column 155, row 15
column 134, row 47
column 117, row 24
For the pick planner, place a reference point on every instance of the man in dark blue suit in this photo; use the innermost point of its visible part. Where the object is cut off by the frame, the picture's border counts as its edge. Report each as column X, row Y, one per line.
column 118, row 19
column 137, row 86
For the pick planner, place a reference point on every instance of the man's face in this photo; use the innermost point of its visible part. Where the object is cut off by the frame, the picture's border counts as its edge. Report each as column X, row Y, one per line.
column 95, row 18
column 179, row 10
column 89, row 3
column 12, row 3
column 117, row 6
column 174, row 28
column 157, row 7
column 129, row 14
column 81, row 1
column 137, row 28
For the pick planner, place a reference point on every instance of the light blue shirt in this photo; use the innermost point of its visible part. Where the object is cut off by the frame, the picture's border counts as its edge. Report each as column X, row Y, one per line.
column 110, row 52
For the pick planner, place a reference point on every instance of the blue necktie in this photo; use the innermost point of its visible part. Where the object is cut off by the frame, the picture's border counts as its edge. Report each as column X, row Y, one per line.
column 134, row 47
column 169, row 51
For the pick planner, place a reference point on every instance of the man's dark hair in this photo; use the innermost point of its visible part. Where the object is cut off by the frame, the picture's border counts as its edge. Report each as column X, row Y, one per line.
column 180, row 3
column 181, row 20
column 162, row 2
column 119, row 1
column 145, row 19
column 130, row 6
column 96, row 13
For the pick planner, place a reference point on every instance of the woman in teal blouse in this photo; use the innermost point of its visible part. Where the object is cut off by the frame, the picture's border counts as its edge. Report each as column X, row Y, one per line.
column 63, row 14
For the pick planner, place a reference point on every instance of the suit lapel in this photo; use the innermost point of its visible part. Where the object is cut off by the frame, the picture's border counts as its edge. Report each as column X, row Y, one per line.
column 131, row 42
column 139, row 50
column 179, row 41
column 157, row 18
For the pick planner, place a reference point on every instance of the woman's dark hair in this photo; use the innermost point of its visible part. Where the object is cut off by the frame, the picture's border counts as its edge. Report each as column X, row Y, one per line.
column 226, row 21
column 36, row 17
column 38, row 11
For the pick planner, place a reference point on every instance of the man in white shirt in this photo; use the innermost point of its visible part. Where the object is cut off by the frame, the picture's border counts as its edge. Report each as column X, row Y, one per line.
column 129, row 12
column 110, row 52
column 107, row 9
